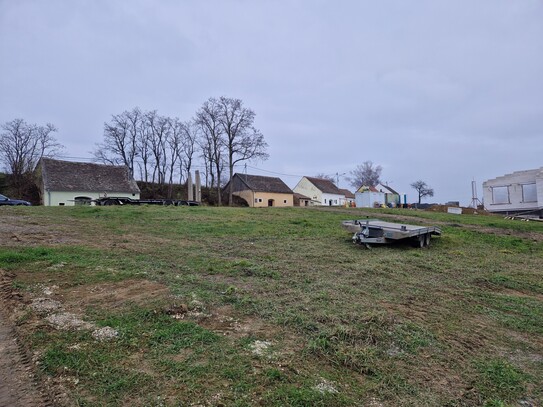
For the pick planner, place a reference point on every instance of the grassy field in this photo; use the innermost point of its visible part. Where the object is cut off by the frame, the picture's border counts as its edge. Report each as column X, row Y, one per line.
column 276, row 307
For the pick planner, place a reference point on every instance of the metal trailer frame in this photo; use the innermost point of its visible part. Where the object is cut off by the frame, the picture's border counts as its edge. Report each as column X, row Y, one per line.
column 374, row 231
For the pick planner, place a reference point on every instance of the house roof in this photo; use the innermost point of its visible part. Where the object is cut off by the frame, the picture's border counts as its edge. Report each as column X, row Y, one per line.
column 386, row 189
column 324, row 185
column 301, row 196
column 86, row 177
column 259, row 183
column 347, row 193
column 365, row 188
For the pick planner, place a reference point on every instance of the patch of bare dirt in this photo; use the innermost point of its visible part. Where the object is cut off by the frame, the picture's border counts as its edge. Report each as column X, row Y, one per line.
column 17, row 230
column 113, row 295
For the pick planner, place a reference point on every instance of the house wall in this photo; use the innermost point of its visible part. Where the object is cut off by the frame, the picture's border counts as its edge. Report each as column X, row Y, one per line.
column 367, row 199
column 347, row 201
column 260, row 199
column 337, row 200
column 305, row 187
column 56, row 198
column 512, row 186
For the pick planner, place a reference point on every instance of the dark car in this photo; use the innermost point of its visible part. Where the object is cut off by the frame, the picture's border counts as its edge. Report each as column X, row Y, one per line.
column 4, row 200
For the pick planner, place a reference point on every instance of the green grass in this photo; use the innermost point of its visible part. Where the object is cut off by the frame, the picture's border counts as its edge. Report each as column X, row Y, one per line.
column 456, row 324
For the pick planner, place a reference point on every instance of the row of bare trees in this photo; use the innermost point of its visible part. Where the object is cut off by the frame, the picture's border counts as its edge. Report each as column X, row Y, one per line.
column 161, row 149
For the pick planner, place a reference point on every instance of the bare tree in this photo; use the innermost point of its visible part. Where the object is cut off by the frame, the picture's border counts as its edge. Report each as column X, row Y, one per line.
column 189, row 144
column 175, row 142
column 243, row 141
column 121, row 137
column 208, row 120
column 422, row 189
column 22, row 145
column 159, row 127
column 365, row 174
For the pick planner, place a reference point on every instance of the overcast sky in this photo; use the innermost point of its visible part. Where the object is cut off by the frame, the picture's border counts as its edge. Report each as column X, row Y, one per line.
column 443, row 91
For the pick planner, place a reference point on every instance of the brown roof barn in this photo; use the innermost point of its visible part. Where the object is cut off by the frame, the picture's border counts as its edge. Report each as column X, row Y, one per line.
column 69, row 181
column 258, row 190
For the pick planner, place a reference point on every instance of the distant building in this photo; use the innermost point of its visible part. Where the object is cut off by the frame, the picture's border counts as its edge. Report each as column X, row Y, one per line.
column 301, row 200
column 520, row 191
column 322, row 192
column 369, row 197
column 392, row 198
column 350, row 199
column 74, row 183
column 260, row 191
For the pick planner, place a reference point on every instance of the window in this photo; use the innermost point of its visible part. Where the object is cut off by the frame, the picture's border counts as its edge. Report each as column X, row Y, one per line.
column 325, row 201
column 256, row 200
column 500, row 195
column 529, row 193
column 284, row 201
column 259, row 199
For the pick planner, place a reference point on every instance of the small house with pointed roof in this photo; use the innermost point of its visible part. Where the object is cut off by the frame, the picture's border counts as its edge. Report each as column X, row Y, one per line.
column 261, row 191
column 321, row 191
column 75, row 183
column 392, row 198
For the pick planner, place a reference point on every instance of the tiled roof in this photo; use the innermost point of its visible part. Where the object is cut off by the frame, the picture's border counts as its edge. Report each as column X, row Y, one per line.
column 259, row 183
column 86, row 177
column 347, row 193
column 324, row 185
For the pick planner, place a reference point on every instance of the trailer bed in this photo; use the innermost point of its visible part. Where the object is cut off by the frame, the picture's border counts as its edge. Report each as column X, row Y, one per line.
column 375, row 231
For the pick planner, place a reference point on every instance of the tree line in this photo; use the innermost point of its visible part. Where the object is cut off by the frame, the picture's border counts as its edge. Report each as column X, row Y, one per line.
column 160, row 149
column 157, row 149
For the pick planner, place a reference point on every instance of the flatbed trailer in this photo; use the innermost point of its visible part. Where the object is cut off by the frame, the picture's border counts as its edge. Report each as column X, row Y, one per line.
column 374, row 231
column 112, row 200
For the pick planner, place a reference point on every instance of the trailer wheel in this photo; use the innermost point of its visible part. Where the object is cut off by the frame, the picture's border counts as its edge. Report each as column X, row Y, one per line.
column 427, row 239
column 419, row 241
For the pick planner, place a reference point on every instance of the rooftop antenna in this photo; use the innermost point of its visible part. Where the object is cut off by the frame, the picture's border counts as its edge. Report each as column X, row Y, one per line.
column 475, row 202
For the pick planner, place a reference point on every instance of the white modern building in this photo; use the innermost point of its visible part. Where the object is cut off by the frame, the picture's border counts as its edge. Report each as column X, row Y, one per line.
column 520, row 191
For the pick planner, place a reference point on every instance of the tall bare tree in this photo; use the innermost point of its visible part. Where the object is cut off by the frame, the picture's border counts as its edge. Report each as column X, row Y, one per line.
column 423, row 190
column 159, row 127
column 243, row 141
column 176, row 142
column 365, row 174
column 189, row 144
column 121, row 137
column 208, row 119
column 22, row 145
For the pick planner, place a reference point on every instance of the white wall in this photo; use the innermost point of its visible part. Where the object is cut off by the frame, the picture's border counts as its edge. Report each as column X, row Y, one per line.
column 56, row 198
column 512, row 186
column 337, row 200
column 367, row 199
column 306, row 188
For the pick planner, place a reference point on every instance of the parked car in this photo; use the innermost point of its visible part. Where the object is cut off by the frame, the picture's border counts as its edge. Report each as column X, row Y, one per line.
column 4, row 200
